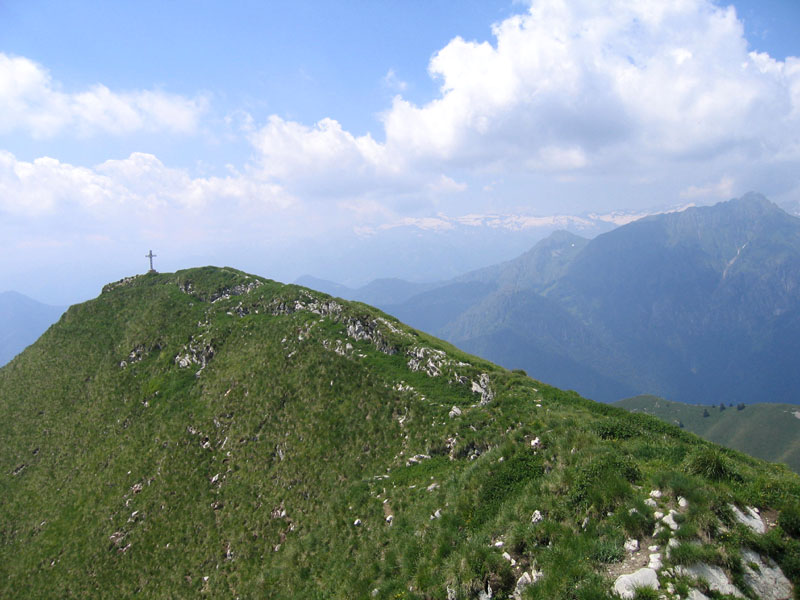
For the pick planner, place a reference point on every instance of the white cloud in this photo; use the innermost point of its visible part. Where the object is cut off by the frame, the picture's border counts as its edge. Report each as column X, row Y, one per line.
column 30, row 101
column 631, row 89
column 721, row 189
column 392, row 81
column 137, row 190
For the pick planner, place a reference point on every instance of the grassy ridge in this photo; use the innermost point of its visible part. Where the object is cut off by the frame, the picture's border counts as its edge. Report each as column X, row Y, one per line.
column 765, row 430
column 211, row 433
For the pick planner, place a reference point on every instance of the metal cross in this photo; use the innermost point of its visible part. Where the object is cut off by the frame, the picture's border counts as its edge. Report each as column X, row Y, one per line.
column 151, row 256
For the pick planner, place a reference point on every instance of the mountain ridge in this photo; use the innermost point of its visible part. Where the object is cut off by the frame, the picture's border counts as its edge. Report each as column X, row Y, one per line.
column 697, row 305
column 211, row 432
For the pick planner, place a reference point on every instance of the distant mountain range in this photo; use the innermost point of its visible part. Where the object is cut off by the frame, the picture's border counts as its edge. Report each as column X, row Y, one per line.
column 699, row 306
column 22, row 321
column 769, row 431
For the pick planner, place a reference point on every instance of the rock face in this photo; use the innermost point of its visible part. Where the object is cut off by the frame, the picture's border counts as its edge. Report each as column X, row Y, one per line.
column 749, row 517
column 626, row 585
column 713, row 576
column 766, row 580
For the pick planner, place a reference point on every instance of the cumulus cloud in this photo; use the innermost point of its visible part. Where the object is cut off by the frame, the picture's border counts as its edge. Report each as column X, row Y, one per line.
column 31, row 101
column 579, row 87
column 137, row 191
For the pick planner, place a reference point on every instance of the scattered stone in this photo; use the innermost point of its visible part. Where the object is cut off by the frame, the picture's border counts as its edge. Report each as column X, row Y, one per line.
column 499, row 544
column 626, row 585
column 651, row 503
column 655, row 494
column 536, row 443
column 766, row 579
column 454, row 412
column 696, row 595
column 536, row 517
column 670, row 521
column 357, row 522
column 655, row 561
column 653, row 548
column 508, row 557
column 658, row 515
column 432, row 487
column 524, row 581
column 750, row 518
column 389, row 519
column 682, row 502
column 631, row 545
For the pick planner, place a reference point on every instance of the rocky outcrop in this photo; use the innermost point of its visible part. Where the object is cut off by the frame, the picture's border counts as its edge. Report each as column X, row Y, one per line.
column 764, row 577
column 749, row 517
column 714, row 577
column 626, row 585
column 483, row 388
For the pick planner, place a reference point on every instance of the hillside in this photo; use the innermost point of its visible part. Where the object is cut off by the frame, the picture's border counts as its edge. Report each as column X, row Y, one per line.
column 769, row 431
column 22, row 321
column 700, row 306
column 210, row 433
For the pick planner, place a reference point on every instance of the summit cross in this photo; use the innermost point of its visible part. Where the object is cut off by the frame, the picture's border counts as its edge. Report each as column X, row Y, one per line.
column 151, row 256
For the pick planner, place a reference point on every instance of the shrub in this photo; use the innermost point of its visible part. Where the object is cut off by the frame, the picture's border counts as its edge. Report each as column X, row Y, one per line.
column 789, row 520
column 711, row 463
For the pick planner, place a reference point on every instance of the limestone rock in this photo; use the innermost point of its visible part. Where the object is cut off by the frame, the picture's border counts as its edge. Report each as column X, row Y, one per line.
column 655, row 561
column 631, row 545
column 713, row 576
column 524, row 581
column 750, row 518
column 626, row 585
column 669, row 520
column 454, row 412
column 767, row 580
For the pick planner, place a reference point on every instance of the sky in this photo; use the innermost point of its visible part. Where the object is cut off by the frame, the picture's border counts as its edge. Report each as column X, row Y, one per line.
column 375, row 138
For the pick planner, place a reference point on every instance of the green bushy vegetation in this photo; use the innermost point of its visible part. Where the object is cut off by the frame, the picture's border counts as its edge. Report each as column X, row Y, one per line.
column 209, row 433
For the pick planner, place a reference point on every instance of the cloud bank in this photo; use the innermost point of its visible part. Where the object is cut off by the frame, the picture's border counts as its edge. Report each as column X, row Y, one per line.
column 30, row 101
column 648, row 99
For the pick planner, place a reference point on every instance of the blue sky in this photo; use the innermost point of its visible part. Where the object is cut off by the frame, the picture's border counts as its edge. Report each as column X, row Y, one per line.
column 362, row 139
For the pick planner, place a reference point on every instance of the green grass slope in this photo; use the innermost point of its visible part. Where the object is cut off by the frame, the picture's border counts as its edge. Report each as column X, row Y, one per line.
column 210, row 433
column 764, row 430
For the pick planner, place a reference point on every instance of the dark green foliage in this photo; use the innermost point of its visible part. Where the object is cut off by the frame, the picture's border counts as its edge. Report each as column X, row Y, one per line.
column 505, row 480
column 711, row 462
column 789, row 520
column 604, row 482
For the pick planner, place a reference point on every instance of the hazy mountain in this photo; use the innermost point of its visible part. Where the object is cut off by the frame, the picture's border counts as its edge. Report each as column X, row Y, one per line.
column 769, row 431
column 700, row 305
column 22, row 321
column 212, row 433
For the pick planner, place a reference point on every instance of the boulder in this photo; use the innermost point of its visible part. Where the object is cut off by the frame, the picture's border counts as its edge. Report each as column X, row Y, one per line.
column 631, row 545
column 626, row 585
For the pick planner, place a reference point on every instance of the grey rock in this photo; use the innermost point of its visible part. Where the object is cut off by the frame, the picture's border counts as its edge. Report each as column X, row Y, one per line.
column 767, row 580
column 631, row 545
column 749, row 517
column 626, row 585
column 713, row 576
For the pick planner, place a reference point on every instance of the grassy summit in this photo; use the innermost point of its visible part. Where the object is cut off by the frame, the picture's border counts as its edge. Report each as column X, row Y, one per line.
column 212, row 433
